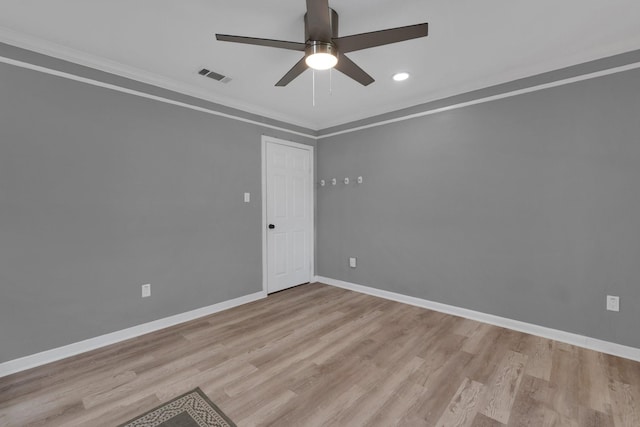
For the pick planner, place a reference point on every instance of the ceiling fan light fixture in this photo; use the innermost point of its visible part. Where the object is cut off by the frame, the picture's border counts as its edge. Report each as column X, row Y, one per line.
column 321, row 56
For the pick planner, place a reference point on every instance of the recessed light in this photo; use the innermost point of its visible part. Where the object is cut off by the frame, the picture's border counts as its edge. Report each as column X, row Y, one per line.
column 400, row 76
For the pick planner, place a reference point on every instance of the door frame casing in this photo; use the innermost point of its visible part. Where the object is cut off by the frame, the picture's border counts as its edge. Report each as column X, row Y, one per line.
column 265, row 267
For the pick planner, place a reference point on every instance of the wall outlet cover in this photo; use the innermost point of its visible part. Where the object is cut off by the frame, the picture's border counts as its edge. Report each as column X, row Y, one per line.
column 146, row 290
column 613, row 303
column 352, row 262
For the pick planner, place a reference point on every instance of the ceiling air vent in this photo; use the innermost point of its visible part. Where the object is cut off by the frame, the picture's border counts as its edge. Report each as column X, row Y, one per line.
column 215, row 76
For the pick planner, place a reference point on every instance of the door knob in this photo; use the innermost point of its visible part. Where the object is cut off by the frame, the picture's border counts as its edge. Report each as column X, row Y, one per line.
column 271, row 226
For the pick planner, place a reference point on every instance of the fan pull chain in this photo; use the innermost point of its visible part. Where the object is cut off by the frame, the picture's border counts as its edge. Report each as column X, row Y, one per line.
column 314, row 88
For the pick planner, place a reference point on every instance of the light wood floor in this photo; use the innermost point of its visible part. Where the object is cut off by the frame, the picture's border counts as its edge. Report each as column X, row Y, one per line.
column 318, row 355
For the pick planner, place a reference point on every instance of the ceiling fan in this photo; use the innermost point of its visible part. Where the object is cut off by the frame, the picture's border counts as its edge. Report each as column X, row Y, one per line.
column 323, row 49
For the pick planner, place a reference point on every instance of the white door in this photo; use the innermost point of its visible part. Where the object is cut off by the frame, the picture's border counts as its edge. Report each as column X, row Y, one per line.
column 289, row 221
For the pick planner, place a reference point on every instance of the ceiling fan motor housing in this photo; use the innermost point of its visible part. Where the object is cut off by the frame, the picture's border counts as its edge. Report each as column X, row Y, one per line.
column 314, row 47
column 308, row 32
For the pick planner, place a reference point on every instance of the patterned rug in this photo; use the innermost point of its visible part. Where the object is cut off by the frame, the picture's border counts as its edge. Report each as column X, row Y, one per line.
column 192, row 409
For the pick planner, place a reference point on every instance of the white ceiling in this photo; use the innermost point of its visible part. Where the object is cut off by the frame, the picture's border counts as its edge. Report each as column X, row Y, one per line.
column 472, row 44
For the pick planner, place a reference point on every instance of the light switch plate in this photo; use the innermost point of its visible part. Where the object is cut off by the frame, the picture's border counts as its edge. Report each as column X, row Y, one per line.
column 247, row 197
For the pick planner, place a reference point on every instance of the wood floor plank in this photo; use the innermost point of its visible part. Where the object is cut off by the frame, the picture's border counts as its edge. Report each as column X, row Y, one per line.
column 257, row 416
column 484, row 421
column 503, row 386
column 179, row 368
column 464, row 406
column 625, row 402
column 440, row 384
column 365, row 409
column 482, row 335
column 490, row 353
column 593, row 381
column 317, row 355
column 466, row 327
column 591, row 418
column 539, row 351
column 391, row 412
column 530, row 407
column 565, row 380
column 115, row 414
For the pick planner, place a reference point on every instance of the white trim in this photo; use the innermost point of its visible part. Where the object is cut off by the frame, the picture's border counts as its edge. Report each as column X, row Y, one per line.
column 489, row 98
column 270, row 139
column 38, row 359
column 49, row 48
column 516, row 325
column 145, row 95
column 98, row 63
column 263, row 179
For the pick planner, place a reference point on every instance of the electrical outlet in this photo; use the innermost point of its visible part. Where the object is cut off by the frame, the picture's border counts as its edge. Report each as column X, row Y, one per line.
column 352, row 262
column 247, row 197
column 146, row 290
column 613, row 303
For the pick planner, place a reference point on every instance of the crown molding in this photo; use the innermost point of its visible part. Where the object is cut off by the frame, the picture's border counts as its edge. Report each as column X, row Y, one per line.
column 81, row 58
column 49, row 48
column 598, row 53
column 482, row 100
column 148, row 96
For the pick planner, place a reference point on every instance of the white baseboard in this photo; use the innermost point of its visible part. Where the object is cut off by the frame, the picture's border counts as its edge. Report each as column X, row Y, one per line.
column 516, row 325
column 48, row 356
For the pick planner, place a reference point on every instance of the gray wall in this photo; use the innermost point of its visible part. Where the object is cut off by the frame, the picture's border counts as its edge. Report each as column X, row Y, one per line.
column 101, row 192
column 524, row 207
column 527, row 207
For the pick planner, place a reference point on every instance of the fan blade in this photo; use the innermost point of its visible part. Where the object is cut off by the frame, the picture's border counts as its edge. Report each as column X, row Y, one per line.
column 293, row 73
column 348, row 67
column 261, row 42
column 379, row 38
column 318, row 20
